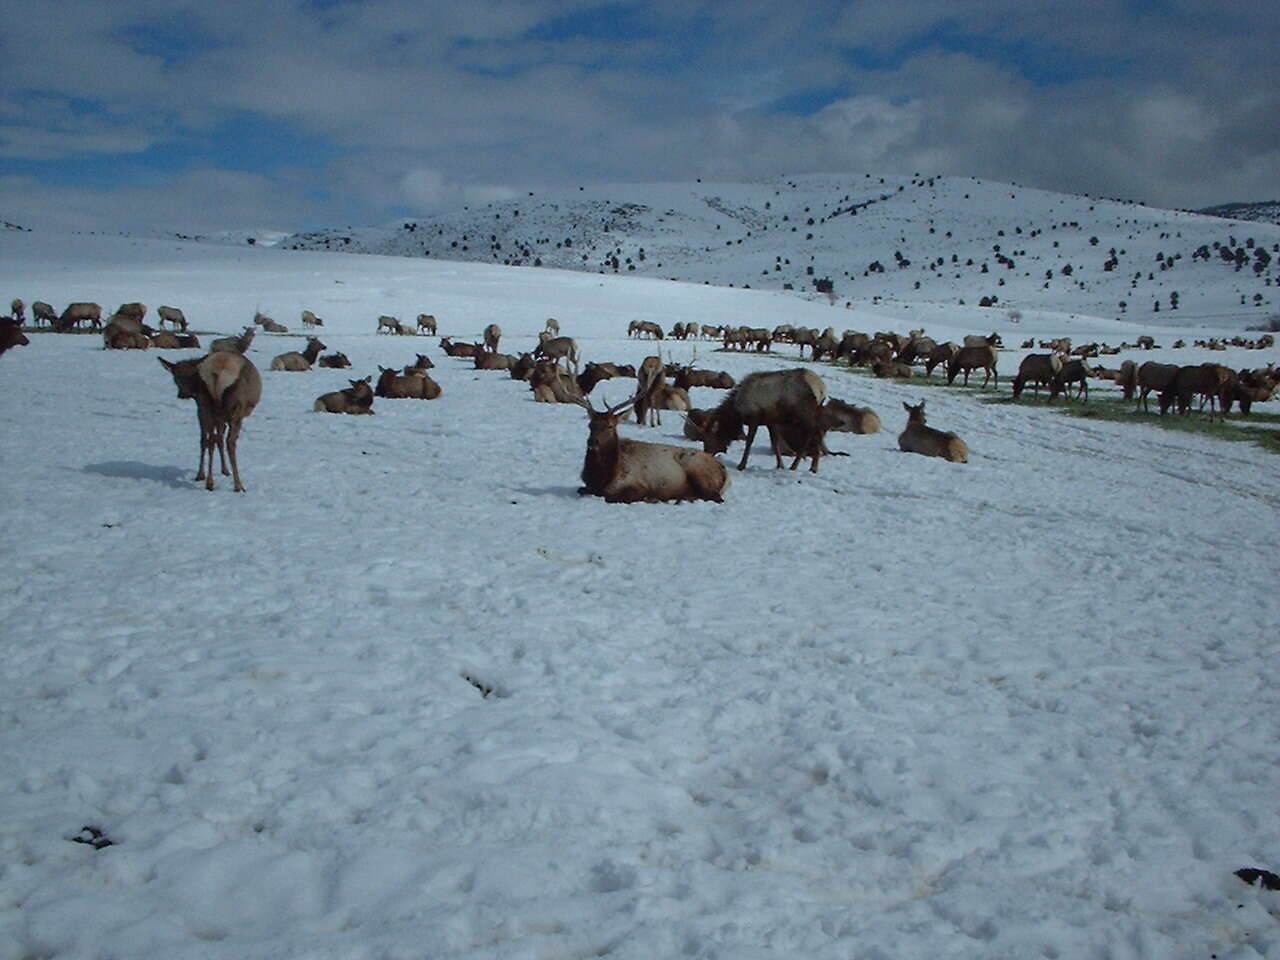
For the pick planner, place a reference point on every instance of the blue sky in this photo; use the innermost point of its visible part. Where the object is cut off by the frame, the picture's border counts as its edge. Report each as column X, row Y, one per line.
column 172, row 114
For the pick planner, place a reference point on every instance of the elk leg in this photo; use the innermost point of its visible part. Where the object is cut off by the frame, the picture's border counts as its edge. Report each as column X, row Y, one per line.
column 751, row 436
column 233, row 435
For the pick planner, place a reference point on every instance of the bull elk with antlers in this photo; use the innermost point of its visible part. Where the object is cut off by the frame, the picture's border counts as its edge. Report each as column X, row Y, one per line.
column 629, row 471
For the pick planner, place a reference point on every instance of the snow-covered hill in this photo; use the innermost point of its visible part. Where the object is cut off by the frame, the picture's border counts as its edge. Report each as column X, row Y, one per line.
column 411, row 696
column 938, row 239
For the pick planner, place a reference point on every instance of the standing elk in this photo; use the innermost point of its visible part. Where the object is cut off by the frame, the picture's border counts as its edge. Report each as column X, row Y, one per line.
column 11, row 334
column 299, row 361
column 172, row 315
column 1040, row 369
column 356, row 399
column 427, row 322
column 922, row 439
column 556, row 348
column 19, row 310
column 492, row 334
column 631, row 471
column 389, row 324
column 226, row 388
column 776, row 399
column 552, row 327
column 75, row 314
column 309, row 319
column 1076, row 370
column 992, row 340
column 138, row 311
column 43, row 311
column 969, row 359
column 1154, row 376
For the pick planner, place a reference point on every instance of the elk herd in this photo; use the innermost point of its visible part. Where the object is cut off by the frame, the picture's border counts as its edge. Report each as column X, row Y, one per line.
column 791, row 404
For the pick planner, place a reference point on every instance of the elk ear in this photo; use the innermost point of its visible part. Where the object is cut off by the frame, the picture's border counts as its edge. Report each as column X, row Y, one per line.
column 165, row 363
column 906, row 406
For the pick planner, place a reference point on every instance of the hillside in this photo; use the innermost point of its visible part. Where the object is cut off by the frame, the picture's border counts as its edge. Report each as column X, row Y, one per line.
column 938, row 240
column 1267, row 212
column 412, row 696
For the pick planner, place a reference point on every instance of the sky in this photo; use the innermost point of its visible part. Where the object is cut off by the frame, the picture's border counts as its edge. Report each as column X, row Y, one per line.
column 179, row 116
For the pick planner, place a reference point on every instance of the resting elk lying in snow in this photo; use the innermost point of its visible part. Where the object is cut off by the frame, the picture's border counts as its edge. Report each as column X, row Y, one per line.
column 628, row 471
column 774, row 399
column 356, row 399
column 335, row 361
column 299, row 362
column 919, row 438
column 398, row 386
column 226, row 388
column 238, row 344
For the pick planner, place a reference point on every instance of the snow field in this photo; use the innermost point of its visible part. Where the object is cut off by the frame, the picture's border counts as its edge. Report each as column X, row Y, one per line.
column 903, row 708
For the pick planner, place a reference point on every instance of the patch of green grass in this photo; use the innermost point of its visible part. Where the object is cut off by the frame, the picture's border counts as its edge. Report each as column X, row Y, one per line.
column 1258, row 427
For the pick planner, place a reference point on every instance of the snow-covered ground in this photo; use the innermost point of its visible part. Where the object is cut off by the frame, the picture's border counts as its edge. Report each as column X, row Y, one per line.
column 1023, row 707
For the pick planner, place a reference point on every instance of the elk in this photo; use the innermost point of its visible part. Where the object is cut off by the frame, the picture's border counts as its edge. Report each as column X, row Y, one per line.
column 492, row 334
column 260, row 319
column 238, row 344
column 299, row 362
column 168, row 340
column 421, row 364
column 971, row 358
column 551, row 384
column 459, row 349
column 919, row 438
column 226, row 388
column 1209, row 381
column 427, row 322
column 18, row 309
column 1073, row 371
column 553, row 326
column 941, row 354
column 172, row 315
column 1154, row 376
column 11, row 334
column 774, row 399
column 992, row 340
column 336, row 361
column 494, row 361
column 271, row 326
column 555, row 348
column 389, row 324
column 355, row 399
column 630, row 471
column 845, row 418
column 43, row 311
column 138, row 311
column 652, row 377
column 75, row 313
column 686, row 377
column 1040, row 369
column 593, row 373
column 309, row 319
column 398, row 386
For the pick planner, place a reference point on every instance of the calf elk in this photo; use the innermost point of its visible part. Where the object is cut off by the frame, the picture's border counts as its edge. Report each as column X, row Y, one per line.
column 919, row 438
